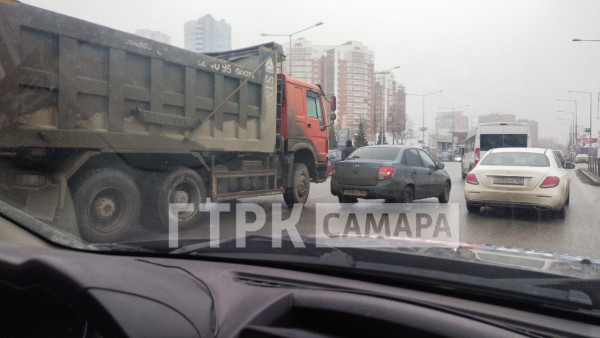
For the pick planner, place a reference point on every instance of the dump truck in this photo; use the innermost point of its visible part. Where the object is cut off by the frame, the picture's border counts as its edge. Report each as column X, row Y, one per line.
column 121, row 126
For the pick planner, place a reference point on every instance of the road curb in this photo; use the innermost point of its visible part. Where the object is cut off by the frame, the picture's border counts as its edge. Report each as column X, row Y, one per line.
column 594, row 180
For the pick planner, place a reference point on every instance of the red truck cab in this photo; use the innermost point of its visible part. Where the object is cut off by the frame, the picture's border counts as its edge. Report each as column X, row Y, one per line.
column 303, row 109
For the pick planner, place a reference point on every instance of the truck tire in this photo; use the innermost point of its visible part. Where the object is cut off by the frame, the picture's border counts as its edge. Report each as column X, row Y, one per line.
column 181, row 185
column 298, row 193
column 107, row 203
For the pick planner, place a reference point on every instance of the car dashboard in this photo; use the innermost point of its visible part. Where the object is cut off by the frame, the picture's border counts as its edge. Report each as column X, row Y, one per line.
column 56, row 292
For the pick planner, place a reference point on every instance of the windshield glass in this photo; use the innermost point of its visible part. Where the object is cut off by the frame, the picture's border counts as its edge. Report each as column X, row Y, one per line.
column 516, row 159
column 193, row 127
column 372, row 153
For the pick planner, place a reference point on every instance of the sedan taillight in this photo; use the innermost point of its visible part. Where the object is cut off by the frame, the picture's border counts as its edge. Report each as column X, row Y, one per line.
column 333, row 169
column 385, row 173
column 472, row 179
column 550, row 182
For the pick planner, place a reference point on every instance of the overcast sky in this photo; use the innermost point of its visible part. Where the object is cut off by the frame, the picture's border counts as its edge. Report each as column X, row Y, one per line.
column 508, row 56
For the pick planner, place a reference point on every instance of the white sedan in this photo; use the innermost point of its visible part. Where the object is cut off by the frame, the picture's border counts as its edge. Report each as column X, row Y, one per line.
column 518, row 177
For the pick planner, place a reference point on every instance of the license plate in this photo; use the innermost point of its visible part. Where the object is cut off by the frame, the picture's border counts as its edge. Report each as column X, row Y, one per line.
column 355, row 192
column 509, row 180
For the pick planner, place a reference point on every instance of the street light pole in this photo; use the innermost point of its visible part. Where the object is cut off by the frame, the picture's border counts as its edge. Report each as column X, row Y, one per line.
column 575, row 91
column 453, row 118
column 575, row 103
column 290, row 36
column 385, row 107
column 570, row 130
column 572, row 139
column 589, row 40
column 423, row 96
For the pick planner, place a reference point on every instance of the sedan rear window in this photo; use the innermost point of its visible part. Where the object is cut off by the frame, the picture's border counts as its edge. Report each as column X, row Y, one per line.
column 383, row 154
column 516, row 159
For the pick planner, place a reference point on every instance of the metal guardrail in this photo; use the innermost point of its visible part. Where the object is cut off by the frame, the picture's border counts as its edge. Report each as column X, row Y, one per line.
column 594, row 165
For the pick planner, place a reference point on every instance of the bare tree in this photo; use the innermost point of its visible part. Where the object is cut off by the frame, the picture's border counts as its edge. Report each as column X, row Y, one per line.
column 396, row 127
column 402, row 131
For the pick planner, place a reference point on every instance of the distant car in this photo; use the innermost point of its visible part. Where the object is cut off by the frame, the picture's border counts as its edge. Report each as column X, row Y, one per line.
column 559, row 154
column 445, row 156
column 459, row 154
column 519, row 177
column 581, row 158
column 394, row 173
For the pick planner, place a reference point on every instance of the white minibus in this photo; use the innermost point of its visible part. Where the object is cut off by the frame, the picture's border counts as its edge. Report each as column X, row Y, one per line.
column 492, row 135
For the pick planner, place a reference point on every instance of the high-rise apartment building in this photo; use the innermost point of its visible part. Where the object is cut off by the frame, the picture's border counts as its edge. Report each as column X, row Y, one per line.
column 354, row 83
column 207, row 35
column 345, row 70
column 154, row 35
column 304, row 60
column 389, row 105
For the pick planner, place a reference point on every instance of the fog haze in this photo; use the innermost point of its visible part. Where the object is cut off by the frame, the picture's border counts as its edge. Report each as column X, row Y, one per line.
column 512, row 57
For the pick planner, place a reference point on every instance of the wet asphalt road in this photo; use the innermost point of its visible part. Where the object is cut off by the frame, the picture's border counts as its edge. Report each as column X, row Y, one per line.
column 577, row 234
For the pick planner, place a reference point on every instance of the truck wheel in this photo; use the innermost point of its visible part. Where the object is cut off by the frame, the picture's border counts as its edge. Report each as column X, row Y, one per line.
column 298, row 193
column 182, row 185
column 107, row 203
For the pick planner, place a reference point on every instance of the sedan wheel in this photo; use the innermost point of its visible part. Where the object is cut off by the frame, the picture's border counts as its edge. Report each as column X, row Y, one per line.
column 346, row 199
column 407, row 195
column 560, row 213
column 445, row 196
column 473, row 208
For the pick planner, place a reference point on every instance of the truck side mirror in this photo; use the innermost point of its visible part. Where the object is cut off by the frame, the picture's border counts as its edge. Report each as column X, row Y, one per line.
column 333, row 103
column 332, row 117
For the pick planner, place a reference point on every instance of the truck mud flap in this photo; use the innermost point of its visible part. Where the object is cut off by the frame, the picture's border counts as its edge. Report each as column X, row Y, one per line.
column 42, row 203
column 321, row 172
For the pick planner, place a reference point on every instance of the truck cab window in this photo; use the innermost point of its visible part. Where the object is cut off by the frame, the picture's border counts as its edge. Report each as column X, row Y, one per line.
column 313, row 107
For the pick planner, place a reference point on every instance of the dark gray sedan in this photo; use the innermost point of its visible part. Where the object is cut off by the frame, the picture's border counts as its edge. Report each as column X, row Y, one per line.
column 394, row 173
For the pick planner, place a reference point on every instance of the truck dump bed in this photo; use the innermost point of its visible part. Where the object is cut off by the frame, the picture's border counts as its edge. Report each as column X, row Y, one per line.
column 67, row 83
